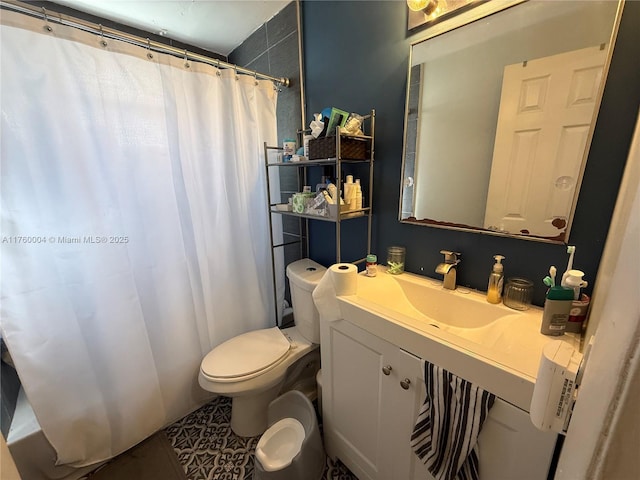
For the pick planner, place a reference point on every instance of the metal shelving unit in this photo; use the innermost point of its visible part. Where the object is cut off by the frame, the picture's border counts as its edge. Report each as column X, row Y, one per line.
column 303, row 167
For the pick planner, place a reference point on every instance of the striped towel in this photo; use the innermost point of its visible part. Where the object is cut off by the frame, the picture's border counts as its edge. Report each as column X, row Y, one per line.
column 445, row 436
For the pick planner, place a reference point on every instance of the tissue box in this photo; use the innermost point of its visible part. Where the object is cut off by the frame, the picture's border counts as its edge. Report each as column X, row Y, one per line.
column 351, row 148
column 300, row 202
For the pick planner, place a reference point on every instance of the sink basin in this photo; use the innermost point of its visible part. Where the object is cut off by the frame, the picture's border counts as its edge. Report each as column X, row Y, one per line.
column 456, row 308
column 424, row 299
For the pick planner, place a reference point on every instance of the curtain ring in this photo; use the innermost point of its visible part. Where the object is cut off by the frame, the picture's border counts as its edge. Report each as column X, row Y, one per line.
column 218, row 68
column 235, row 67
column 255, row 79
column 47, row 27
column 186, row 60
column 149, row 54
column 103, row 42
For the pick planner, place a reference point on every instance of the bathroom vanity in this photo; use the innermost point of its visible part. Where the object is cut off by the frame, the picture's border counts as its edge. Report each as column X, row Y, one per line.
column 373, row 383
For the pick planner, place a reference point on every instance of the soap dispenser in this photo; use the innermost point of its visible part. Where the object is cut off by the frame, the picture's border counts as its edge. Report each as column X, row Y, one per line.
column 496, row 279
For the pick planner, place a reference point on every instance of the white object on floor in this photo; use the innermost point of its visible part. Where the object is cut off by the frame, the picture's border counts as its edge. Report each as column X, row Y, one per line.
column 291, row 448
column 280, row 444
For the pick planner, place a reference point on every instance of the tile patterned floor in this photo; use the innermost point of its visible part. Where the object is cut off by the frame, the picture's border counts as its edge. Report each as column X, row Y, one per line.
column 209, row 450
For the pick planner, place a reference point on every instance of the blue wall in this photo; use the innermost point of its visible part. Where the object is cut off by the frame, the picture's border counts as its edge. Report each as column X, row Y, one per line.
column 365, row 66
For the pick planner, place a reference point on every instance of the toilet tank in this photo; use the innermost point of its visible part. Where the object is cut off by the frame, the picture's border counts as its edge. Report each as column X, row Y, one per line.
column 304, row 275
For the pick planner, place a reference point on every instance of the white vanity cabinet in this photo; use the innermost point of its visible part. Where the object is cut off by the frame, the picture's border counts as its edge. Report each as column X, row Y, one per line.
column 372, row 391
column 357, row 411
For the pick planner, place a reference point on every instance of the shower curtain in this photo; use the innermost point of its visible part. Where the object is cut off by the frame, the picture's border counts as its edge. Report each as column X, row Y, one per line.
column 134, row 229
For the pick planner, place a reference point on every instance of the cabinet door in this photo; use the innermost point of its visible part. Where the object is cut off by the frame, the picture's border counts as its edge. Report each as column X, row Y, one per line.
column 510, row 446
column 407, row 403
column 354, row 406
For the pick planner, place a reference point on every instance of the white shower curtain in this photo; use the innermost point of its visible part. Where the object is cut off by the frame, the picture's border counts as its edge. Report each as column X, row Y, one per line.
column 134, row 229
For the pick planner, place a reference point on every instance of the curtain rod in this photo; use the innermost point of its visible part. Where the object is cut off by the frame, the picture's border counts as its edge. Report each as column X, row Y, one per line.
column 98, row 29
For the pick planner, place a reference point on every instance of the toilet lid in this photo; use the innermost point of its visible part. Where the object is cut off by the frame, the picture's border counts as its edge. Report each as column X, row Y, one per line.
column 246, row 354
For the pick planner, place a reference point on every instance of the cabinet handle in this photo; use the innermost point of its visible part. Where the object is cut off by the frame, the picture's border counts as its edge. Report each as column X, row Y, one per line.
column 405, row 383
column 387, row 369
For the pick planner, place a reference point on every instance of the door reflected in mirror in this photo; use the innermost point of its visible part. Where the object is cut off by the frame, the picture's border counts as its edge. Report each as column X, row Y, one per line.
column 499, row 119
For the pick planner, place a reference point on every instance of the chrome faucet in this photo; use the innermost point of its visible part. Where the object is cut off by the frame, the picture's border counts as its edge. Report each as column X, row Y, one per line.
column 448, row 269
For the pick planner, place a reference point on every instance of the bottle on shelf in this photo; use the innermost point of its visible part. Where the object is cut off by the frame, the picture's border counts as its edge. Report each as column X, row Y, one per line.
column 358, row 195
column 333, row 191
column 349, row 192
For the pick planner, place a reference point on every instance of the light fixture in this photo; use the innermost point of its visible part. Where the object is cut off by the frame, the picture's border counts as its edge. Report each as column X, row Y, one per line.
column 426, row 6
column 423, row 12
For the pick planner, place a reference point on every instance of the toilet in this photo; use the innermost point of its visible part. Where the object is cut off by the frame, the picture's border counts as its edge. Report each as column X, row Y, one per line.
column 252, row 368
column 291, row 448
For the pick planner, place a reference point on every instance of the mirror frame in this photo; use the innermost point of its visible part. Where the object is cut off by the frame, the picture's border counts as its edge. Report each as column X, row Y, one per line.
column 478, row 12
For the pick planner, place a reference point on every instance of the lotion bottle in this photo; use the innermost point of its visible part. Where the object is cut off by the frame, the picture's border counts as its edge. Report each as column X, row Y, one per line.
column 358, row 195
column 333, row 191
column 349, row 193
column 496, row 279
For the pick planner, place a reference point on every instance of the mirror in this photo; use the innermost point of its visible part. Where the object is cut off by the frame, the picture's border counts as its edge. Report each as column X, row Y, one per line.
column 499, row 118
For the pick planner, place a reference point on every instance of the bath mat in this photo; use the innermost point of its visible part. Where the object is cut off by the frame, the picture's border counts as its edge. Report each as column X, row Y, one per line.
column 153, row 459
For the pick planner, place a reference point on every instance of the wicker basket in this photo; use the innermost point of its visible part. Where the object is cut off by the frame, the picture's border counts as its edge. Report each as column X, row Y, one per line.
column 350, row 148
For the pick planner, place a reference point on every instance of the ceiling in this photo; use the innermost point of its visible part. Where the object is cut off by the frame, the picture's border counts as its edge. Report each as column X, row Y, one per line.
column 215, row 25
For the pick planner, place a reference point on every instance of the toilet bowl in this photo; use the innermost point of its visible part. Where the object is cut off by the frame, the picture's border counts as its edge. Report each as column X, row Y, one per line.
column 280, row 444
column 252, row 368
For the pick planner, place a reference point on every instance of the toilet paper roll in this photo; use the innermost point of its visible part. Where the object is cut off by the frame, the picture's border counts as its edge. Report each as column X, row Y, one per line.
column 345, row 278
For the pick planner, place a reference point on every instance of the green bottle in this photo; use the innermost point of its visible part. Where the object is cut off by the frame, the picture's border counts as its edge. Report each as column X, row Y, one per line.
column 557, row 307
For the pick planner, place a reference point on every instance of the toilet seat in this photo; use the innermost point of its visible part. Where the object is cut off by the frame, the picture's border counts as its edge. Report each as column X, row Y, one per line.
column 279, row 445
column 246, row 356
